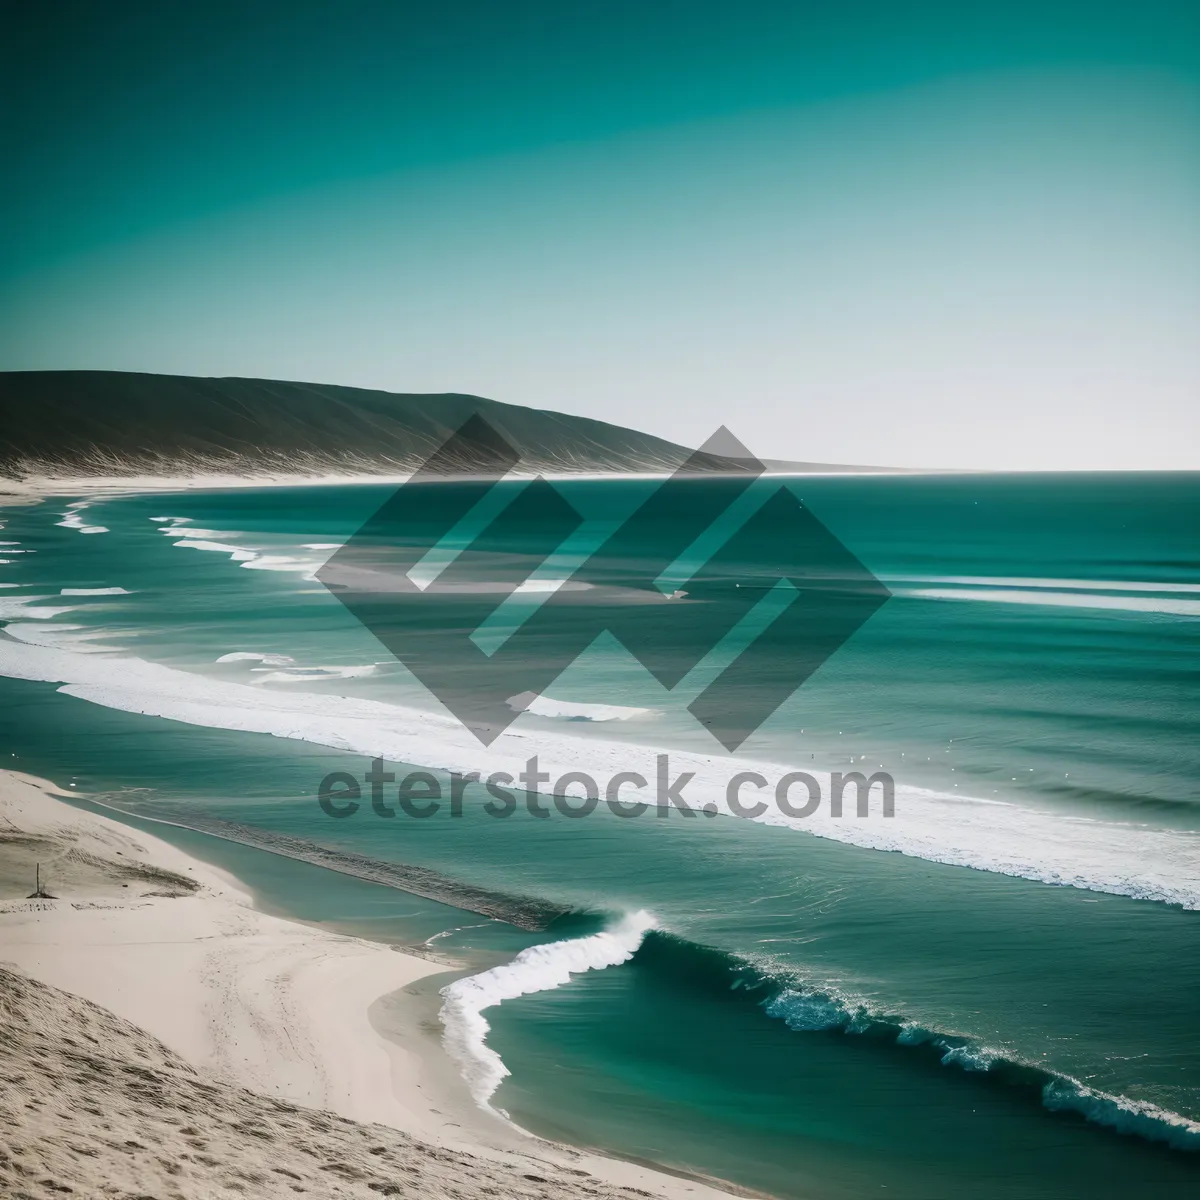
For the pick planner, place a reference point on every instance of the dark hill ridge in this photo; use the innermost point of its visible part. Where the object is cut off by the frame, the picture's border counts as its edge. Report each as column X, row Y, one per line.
column 119, row 423
column 63, row 424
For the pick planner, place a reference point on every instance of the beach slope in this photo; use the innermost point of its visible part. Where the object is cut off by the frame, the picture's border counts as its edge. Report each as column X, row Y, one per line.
column 163, row 1037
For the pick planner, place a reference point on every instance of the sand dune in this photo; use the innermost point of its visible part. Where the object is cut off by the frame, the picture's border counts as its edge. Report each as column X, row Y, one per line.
column 94, row 1106
column 163, row 1038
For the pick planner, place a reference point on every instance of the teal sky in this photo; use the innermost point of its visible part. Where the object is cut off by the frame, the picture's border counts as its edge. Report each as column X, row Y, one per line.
column 922, row 234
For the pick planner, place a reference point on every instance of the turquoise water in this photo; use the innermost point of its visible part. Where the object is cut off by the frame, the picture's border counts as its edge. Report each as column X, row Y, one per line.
column 915, row 1006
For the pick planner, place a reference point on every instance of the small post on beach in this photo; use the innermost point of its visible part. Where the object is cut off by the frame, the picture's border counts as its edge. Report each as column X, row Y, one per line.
column 38, row 894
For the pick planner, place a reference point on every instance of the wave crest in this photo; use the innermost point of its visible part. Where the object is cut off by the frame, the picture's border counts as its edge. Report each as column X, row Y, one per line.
column 536, row 969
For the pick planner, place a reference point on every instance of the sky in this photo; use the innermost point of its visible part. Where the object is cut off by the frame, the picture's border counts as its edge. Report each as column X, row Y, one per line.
column 920, row 234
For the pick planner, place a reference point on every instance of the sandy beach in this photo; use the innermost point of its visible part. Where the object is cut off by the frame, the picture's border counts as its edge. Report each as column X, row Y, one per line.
column 165, row 1038
column 14, row 493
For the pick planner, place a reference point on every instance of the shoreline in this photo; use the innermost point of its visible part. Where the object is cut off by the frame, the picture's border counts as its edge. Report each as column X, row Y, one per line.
column 36, row 489
column 291, row 1012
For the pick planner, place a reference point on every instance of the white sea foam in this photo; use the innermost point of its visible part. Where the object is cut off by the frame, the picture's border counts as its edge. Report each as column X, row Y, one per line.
column 566, row 710
column 1138, row 1117
column 245, row 556
column 538, row 587
column 807, row 1012
column 1123, row 603
column 1019, row 582
column 270, row 660
column 104, row 591
column 537, row 969
column 971, row 1058
column 282, row 562
column 79, row 638
column 985, row 834
column 236, row 553
column 72, row 520
column 282, row 668
column 30, row 608
column 313, row 674
column 39, row 634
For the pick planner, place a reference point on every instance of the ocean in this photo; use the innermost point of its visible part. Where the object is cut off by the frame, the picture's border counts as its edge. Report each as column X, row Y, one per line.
column 993, row 991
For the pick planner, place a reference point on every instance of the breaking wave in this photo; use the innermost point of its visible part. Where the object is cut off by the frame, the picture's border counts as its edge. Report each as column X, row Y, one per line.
column 1161, row 865
column 536, row 969
column 808, row 1009
column 803, row 1007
